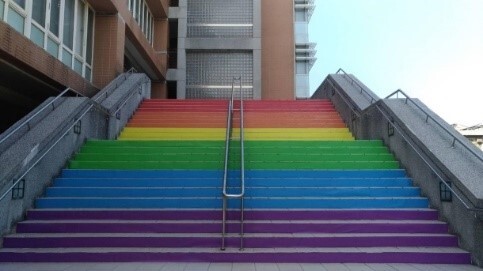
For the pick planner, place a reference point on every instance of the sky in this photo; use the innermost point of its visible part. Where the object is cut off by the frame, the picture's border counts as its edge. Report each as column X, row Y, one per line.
column 430, row 49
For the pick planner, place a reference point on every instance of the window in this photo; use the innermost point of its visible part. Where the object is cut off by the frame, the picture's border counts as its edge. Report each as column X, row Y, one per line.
column 79, row 28
column 300, row 16
column 20, row 3
column 38, row 11
column 143, row 16
column 37, row 35
column 53, row 47
column 2, row 9
column 69, row 23
column 54, row 17
column 301, row 67
column 90, row 29
column 64, row 28
column 15, row 19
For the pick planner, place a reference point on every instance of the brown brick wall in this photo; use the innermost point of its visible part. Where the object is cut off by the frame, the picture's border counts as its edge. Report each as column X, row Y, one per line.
column 161, row 32
column 159, row 90
column 108, row 49
column 278, row 50
column 18, row 50
column 113, row 24
column 157, row 61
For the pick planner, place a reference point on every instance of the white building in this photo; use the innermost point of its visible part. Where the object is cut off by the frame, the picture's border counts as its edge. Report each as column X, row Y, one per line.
column 473, row 133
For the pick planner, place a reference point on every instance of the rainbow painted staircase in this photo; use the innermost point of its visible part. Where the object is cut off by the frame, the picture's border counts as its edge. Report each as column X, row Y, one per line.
column 314, row 194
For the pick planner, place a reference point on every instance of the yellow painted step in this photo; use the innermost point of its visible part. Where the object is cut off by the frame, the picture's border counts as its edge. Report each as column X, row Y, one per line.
column 235, row 130
column 250, row 134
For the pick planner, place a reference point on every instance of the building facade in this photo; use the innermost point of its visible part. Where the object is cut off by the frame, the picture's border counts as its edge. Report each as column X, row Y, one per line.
column 473, row 133
column 265, row 42
column 304, row 49
column 188, row 48
column 49, row 45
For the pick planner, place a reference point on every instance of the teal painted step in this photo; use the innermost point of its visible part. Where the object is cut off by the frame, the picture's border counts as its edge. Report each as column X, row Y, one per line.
column 214, row 182
column 147, row 192
column 215, row 203
column 249, row 165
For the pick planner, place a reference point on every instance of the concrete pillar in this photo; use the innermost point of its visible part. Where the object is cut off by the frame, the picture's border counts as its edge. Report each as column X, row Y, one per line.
column 161, row 35
column 108, row 49
column 278, row 50
column 159, row 90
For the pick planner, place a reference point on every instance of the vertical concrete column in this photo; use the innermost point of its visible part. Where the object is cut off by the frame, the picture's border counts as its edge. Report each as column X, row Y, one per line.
column 182, row 35
column 278, row 50
column 108, row 49
column 257, row 53
column 161, row 34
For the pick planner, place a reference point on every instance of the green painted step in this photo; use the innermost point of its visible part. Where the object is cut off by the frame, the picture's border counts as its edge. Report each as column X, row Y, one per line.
column 294, row 144
column 249, row 156
column 218, row 165
column 235, row 150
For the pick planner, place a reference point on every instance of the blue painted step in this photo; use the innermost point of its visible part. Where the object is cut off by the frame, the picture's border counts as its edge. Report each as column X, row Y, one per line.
column 217, row 182
column 216, row 191
column 210, row 203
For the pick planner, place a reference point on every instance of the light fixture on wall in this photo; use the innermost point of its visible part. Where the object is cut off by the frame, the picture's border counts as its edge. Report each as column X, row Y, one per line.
column 18, row 191
column 390, row 128
column 78, row 127
column 445, row 193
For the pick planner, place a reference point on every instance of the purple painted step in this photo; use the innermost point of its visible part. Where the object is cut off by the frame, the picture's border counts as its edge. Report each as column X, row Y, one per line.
column 424, row 214
column 249, row 241
column 337, row 256
column 215, row 227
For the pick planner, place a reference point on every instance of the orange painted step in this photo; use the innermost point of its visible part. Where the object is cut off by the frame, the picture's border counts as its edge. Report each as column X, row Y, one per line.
column 255, row 114
column 263, row 106
column 249, row 122
column 236, row 125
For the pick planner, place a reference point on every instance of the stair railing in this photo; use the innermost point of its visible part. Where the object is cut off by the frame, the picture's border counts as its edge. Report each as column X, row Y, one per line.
column 428, row 117
column 468, row 206
column 429, row 164
column 354, row 82
column 226, row 195
column 93, row 104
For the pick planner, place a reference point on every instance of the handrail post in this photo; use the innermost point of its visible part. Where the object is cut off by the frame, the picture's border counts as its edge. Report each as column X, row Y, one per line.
column 223, row 230
column 242, row 166
column 226, row 195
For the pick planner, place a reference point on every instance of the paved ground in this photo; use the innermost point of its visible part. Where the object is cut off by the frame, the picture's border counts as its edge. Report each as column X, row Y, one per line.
column 229, row 267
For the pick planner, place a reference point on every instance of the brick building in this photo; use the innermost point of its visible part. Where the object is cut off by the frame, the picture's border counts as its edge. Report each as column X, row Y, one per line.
column 188, row 48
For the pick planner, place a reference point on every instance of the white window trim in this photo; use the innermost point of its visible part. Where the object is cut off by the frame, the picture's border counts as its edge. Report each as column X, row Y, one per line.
column 144, row 18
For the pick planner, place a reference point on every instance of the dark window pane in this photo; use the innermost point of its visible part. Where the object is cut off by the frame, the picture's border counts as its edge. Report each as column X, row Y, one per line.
column 69, row 23
column 20, row 3
column 90, row 26
column 38, row 11
column 54, row 17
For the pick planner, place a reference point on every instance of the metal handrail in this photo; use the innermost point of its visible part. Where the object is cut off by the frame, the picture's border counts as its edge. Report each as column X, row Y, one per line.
column 429, row 117
column 94, row 103
column 226, row 195
column 51, row 103
column 352, row 81
column 349, row 104
column 27, row 121
column 45, row 153
column 401, row 133
column 389, row 119
column 114, row 84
